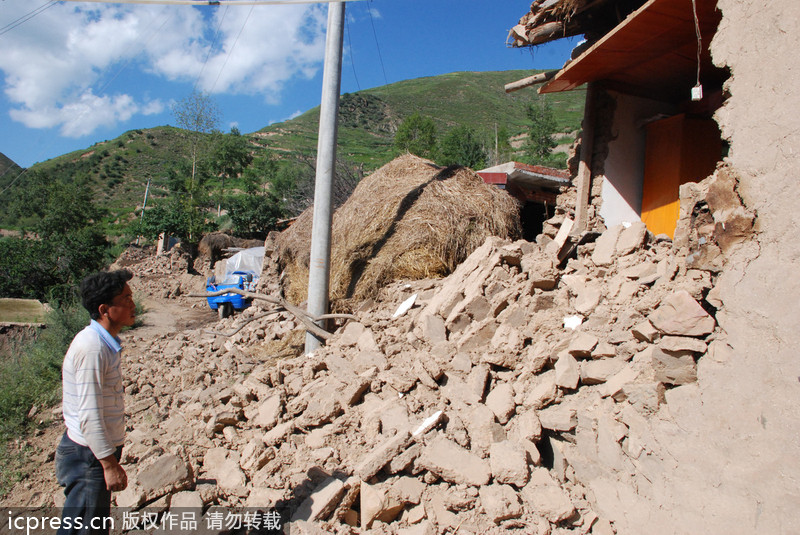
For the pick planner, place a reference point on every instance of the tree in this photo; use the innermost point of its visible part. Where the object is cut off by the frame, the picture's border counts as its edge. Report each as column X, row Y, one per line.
column 69, row 245
column 417, row 135
column 461, row 147
column 231, row 156
column 199, row 116
column 540, row 137
column 253, row 216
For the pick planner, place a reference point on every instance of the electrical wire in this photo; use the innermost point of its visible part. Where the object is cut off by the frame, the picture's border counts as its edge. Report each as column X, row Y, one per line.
column 25, row 18
column 352, row 59
column 699, row 38
column 210, row 48
column 232, row 47
column 377, row 45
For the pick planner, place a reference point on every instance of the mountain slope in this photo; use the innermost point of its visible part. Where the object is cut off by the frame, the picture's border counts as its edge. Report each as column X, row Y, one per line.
column 118, row 170
column 369, row 118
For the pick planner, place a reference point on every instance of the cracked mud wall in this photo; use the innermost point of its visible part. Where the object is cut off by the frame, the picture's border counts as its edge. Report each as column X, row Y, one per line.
column 733, row 447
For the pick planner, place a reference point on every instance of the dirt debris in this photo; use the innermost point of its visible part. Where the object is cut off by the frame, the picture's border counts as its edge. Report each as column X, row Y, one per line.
column 474, row 410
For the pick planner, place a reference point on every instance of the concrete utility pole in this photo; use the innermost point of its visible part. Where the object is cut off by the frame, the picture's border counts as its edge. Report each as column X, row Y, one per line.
column 319, row 264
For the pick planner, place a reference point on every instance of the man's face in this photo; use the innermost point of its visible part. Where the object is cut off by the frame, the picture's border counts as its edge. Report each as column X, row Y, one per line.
column 122, row 310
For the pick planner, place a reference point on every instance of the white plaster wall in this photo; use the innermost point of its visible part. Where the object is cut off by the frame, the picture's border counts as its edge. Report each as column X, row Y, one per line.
column 624, row 167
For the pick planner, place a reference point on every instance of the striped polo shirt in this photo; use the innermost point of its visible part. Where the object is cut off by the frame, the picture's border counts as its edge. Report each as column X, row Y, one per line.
column 93, row 395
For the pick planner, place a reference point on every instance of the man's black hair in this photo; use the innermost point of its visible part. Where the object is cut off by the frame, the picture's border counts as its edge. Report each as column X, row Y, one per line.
column 101, row 288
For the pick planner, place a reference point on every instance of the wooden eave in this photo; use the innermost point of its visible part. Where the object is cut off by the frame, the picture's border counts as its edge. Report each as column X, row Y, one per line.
column 652, row 53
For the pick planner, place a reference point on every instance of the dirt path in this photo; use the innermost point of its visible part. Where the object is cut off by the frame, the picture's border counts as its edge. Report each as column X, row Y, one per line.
column 163, row 317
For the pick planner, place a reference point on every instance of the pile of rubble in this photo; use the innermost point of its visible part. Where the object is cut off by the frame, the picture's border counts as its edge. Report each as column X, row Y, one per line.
column 510, row 395
column 166, row 276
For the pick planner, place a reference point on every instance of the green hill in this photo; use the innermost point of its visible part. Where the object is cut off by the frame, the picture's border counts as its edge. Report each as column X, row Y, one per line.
column 369, row 118
column 8, row 170
column 117, row 170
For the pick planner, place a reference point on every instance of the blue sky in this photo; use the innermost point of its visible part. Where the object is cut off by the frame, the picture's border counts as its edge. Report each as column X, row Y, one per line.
column 78, row 73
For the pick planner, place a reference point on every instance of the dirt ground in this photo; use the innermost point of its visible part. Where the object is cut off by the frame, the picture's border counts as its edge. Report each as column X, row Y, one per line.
column 39, row 488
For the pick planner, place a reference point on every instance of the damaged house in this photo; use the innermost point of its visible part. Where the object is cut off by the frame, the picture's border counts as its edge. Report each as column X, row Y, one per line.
column 690, row 128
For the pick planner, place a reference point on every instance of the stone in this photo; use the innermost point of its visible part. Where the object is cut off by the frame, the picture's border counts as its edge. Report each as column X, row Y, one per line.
column 546, row 497
column 613, row 387
column 230, row 477
column 598, row 371
column 476, row 308
column 673, row 370
column 483, row 429
column 501, row 401
column 366, row 342
column 454, row 464
column 679, row 314
column 558, row 418
column 644, row 331
column 263, row 497
column 433, row 329
column 567, row 371
column 408, row 489
column 631, row 238
column 166, row 475
column 500, row 502
column 322, row 408
column 381, row 455
column 604, row 350
column 476, row 384
column 504, row 359
column 351, row 333
column 508, row 462
column 377, row 504
column 478, row 335
column 645, row 397
column 544, row 392
column 322, row 502
column 405, row 459
column 643, row 272
column 269, row 412
column 588, row 299
column 606, row 246
column 682, row 344
column 254, row 456
column 187, row 499
column 529, row 427
column 278, row 433
column 582, row 344
column 508, row 339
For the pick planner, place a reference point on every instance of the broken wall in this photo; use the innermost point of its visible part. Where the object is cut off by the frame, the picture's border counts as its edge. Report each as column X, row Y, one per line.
column 733, row 437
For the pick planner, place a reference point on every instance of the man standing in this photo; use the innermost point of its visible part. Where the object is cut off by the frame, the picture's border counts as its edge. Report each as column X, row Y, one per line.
column 87, row 459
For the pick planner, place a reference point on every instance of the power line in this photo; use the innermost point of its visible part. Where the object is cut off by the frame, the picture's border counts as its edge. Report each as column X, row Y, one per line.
column 378, row 46
column 210, row 48
column 352, row 59
column 25, row 18
column 230, row 51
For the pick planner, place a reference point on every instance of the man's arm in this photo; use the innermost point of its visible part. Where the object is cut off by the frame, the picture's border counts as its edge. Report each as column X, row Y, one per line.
column 114, row 474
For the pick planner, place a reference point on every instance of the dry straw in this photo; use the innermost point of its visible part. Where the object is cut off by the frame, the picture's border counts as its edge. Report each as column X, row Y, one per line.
column 408, row 220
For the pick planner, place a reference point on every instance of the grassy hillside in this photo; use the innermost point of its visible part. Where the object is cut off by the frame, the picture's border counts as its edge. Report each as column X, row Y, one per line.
column 369, row 118
column 8, row 170
column 117, row 170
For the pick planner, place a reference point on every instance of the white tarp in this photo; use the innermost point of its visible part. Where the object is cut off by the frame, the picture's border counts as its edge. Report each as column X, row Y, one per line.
column 248, row 260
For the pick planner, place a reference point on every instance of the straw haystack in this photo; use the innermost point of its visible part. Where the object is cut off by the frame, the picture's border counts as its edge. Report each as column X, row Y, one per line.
column 408, row 220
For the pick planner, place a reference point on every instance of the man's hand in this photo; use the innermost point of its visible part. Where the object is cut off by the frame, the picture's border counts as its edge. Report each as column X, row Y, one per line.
column 114, row 474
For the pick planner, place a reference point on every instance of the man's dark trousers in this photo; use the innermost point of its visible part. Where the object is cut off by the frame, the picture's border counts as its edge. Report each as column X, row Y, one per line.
column 81, row 475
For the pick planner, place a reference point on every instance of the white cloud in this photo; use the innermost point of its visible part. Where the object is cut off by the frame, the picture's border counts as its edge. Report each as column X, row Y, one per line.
column 60, row 67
